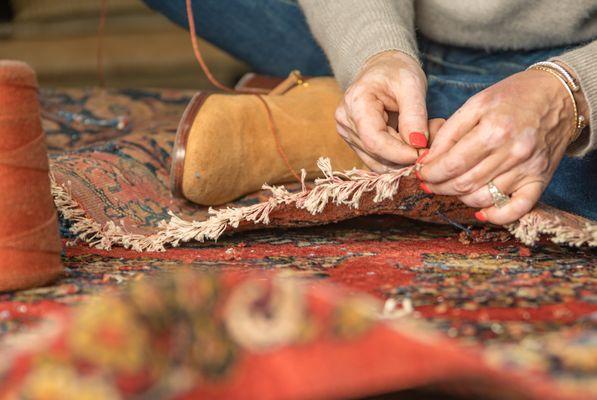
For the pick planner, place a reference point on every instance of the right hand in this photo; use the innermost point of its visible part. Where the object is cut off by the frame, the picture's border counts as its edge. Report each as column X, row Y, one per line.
column 389, row 82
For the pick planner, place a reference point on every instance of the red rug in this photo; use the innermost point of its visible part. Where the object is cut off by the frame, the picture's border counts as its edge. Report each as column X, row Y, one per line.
column 367, row 306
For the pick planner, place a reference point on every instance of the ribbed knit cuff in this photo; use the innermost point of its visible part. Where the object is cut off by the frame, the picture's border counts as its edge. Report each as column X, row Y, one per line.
column 352, row 32
column 381, row 38
column 583, row 61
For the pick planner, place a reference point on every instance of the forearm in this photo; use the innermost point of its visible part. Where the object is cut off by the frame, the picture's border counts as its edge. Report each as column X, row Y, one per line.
column 581, row 63
column 351, row 31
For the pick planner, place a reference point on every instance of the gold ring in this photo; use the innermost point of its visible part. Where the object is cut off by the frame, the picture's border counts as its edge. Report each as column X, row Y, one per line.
column 498, row 197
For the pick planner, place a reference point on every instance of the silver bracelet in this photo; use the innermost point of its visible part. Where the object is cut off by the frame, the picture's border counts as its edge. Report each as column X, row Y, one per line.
column 572, row 84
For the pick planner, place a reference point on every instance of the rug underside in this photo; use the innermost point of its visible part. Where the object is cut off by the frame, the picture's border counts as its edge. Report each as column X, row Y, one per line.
column 342, row 189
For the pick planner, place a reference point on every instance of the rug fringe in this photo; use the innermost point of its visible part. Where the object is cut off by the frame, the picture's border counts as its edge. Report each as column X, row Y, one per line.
column 340, row 188
column 82, row 227
column 530, row 227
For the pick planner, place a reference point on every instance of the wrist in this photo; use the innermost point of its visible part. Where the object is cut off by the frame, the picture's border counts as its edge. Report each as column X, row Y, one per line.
column 393, row 55
column 581, row 100
column 570, row 86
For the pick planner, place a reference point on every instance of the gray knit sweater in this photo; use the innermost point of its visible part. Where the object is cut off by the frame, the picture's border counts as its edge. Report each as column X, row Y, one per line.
column 351, row 31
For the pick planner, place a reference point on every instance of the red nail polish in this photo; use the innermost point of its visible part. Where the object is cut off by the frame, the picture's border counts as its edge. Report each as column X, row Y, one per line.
column 418, row 139
column 480, row 216
column 418, row 175
column 424, row 188
column 422, row 157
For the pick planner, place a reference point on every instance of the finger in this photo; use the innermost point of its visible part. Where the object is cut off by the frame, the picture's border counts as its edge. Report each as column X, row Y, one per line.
column 373, row 163
column 367, row 115
column 351, row 138
column 521, row 202
column 470, row 150
column 412, row 117
column 476, row 177
column 458, row 125
column 345, row 132
column 392, row 120
column 346, row 129
column 435, row 125
column 481, row 198
column 341, row 116
column 394, row 133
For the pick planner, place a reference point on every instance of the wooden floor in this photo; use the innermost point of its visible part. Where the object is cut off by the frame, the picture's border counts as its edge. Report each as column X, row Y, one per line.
column 138, row 52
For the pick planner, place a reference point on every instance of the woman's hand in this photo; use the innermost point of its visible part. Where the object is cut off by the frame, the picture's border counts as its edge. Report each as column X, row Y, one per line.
column 513, row 133
column 389, row 82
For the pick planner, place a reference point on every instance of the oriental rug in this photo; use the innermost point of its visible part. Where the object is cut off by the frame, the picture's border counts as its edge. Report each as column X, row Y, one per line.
column 115, row 192
column 384, row 305
column 370, row 305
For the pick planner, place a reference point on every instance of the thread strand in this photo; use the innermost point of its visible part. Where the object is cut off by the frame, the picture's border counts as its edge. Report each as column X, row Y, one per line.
column 215, row 82
column 100, row 43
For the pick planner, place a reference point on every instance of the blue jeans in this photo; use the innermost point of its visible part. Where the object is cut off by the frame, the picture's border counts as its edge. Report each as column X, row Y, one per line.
column 272, row 36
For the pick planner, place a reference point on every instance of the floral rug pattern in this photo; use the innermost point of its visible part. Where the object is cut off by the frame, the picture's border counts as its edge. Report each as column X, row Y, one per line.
column 375, row 295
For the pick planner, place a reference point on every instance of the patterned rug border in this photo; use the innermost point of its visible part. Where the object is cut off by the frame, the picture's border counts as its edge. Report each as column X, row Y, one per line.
column 340, row 188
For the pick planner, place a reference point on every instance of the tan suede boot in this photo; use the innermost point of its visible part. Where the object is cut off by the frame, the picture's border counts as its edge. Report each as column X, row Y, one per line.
column 225, row 148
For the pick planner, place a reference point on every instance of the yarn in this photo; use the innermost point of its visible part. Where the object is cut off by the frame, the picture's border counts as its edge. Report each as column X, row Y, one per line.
column 29, row 242
column 101, row 75
column 213, row 80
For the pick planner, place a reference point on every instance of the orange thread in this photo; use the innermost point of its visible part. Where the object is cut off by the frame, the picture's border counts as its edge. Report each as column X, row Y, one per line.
column 100, row 43
column 29, row 243
column 212, row 79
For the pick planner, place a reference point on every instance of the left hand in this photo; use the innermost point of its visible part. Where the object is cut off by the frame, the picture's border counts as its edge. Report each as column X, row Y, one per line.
column 513, row 133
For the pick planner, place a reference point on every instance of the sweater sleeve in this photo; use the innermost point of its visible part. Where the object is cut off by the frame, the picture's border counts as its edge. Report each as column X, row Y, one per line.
column 352, row 31
column 583, row 61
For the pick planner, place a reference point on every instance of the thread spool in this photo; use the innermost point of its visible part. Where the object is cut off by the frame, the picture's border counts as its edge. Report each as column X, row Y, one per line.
column 29, row 241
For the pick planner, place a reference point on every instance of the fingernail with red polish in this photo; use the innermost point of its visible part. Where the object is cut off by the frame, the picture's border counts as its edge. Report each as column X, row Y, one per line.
column 480, row 216
column 424, row 188
column 422, row 156
column 417, row 139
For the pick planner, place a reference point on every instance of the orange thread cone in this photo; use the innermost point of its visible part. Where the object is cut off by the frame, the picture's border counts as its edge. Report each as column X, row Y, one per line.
column 29, row 241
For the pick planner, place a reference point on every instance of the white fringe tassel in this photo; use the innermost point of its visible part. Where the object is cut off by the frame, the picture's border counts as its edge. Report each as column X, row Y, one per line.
column 530, row 227
column 340, row 188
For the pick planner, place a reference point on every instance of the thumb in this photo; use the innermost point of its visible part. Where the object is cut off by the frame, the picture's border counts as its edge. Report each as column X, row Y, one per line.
column 412, row 118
